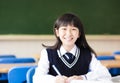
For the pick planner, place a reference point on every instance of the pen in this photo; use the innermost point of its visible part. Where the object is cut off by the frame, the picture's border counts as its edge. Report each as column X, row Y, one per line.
column 56, row 70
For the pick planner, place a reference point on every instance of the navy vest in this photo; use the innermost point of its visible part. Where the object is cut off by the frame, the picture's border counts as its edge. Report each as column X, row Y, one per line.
column 80, row 68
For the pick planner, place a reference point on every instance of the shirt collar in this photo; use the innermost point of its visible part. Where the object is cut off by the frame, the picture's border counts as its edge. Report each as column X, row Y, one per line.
column 62, row 51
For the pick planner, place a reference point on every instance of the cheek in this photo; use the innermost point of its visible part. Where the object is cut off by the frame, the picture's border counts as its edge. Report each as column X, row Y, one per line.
column 77, row 34
column 61, row 33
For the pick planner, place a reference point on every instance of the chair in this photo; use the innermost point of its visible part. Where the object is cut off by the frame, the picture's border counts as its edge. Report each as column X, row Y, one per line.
column 105, row 57
column 117, row 55
column 3, row 76
column 30, row 74
column 117, row 70
column 18, row 74
column 116, row 52
column 17, row 60
column 7, row 56
column 113, row 71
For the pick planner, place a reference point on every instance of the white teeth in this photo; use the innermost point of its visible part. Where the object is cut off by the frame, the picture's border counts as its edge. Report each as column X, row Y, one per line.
column 68, row 39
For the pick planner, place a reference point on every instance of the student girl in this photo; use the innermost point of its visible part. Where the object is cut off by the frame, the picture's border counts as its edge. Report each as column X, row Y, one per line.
column 70, row 58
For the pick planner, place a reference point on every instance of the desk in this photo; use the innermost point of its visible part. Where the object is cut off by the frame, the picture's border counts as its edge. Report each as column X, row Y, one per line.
column 117, row 57
column 4, row 68
column 111, row 63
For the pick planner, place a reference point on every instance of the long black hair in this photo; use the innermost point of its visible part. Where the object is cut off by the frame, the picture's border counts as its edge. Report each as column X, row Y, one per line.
column 70, row 19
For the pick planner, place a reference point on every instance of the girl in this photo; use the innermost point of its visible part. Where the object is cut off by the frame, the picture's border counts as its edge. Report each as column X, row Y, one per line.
column 71, row 58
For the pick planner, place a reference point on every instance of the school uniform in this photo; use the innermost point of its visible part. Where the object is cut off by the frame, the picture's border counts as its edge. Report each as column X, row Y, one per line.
column 84, row 64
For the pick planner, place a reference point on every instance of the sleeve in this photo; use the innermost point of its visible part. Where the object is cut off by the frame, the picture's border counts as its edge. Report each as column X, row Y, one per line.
column 97, row 71
column 41, row 72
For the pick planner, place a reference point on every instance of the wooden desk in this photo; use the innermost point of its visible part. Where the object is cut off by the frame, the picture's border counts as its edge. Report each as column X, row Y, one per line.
column 111, row 63
column 4, row 68
column 117, row 57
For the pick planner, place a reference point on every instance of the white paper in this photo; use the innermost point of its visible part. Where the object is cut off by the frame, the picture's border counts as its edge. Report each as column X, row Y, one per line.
column 91, row 81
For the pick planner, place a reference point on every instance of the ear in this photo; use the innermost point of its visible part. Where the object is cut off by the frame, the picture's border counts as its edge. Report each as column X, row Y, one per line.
column 57, row 32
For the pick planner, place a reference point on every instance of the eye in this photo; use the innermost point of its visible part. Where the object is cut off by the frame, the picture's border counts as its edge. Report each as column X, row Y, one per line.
column 63, row 28
column 74, row 29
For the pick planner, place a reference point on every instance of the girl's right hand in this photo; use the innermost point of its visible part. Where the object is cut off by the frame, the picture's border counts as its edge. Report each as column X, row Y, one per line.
column 60, row 79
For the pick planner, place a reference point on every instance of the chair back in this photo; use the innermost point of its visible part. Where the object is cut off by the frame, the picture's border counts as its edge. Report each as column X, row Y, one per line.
column 30, row 74
column 3, row 76
column 106, row 57
column 113, row 71
column 17, row 60
column 7, row 56
column 116, row 52
column 18, row 74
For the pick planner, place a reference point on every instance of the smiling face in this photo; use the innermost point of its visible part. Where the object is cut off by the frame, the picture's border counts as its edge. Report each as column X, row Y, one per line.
column 68, row 35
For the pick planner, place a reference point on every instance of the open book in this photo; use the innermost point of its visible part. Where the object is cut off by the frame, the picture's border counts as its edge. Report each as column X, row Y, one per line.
column 115, row 79
column 91, row 81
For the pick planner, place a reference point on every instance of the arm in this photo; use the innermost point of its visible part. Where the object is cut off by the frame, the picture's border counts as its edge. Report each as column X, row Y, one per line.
column 97, row 70
column 41, row 72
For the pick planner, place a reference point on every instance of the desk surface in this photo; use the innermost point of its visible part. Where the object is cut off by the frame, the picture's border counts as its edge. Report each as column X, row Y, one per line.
column 111, row 63
column 4, row 68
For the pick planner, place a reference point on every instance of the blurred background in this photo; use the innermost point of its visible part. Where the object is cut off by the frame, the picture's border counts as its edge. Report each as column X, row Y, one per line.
column 27, row 24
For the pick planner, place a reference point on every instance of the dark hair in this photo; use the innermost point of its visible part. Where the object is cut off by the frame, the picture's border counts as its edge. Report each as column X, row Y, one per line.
column 70, row 19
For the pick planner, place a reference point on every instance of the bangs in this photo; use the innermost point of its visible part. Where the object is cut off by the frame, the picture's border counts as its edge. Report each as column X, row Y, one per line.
column 68, row 19
column 66, row 23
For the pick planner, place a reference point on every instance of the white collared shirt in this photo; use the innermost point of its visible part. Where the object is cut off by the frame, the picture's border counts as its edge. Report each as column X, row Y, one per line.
column 97, row 70
column 63, row 51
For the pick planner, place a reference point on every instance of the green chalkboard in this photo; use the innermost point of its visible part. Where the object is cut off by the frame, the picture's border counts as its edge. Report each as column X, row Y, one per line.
column 38, row 16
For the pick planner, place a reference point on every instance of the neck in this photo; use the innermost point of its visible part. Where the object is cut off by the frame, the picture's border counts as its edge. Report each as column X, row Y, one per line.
column 68, row 48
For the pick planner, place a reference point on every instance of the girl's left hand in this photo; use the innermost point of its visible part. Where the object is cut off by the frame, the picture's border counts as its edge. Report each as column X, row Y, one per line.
column 74, row 78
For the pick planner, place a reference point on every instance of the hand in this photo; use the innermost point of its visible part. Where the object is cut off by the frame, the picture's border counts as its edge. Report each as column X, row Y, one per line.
column 74, row 78
column 60, row 79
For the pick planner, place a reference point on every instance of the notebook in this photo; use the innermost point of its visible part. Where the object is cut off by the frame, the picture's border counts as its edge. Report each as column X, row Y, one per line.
column 91, row 81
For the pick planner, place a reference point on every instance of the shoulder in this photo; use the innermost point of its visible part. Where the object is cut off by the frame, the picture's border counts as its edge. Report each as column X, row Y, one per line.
column 43, row 51
column 51, row 50
column 48, row 51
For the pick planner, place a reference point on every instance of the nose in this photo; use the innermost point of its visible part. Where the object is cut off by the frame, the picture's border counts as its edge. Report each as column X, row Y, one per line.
column 69, row 32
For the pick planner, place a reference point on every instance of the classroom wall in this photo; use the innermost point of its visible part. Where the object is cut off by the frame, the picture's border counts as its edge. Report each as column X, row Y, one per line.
column 30, row 45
